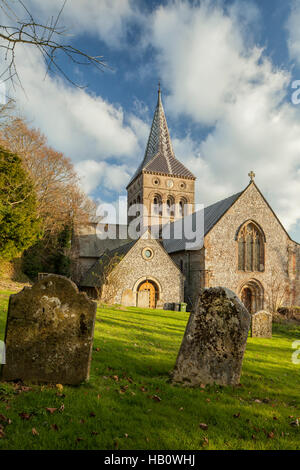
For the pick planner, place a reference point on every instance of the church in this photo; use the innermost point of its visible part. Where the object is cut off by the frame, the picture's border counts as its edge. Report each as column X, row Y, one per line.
column 244, row 245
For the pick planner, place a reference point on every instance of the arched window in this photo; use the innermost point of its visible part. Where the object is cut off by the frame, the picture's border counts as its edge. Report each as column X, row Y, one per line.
column 157, row 205
column 251, row 248
column 181, row 205
column 170, row 206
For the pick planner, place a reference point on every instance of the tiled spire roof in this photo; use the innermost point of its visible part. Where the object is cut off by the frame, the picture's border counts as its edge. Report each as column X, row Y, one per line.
column 159, row 156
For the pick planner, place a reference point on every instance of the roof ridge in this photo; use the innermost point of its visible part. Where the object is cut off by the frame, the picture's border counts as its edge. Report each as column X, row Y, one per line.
column 225, row 199
column 159, row 145
column 212, row 214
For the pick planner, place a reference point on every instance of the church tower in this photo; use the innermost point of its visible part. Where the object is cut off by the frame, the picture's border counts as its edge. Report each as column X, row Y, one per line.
column 161, row 183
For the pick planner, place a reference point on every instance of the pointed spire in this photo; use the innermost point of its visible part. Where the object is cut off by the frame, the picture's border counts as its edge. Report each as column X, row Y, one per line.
column 159, row 156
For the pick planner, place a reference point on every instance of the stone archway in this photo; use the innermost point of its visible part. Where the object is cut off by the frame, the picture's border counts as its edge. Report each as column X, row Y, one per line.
column 153, row 291
column 252, row 295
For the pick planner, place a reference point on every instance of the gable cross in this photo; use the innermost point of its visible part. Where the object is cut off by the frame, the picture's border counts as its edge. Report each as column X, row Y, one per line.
column 251, row 175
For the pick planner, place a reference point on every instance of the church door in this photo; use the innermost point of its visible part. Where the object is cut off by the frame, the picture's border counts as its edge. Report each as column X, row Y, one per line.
column 148, row 286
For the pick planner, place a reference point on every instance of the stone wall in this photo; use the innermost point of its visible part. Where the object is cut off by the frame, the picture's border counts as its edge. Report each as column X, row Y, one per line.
column 134, row 268
column 87, row 246
column 220, row 267
column 193, row 268
column 296, row 275
column 148, row 185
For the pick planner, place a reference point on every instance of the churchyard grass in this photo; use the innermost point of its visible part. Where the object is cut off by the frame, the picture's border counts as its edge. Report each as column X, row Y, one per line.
column 129, row 404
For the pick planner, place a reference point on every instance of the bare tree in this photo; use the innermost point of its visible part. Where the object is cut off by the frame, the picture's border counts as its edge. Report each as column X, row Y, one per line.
column 277, row 292
column 60, row 199
column 47, row 38
column 108, row 279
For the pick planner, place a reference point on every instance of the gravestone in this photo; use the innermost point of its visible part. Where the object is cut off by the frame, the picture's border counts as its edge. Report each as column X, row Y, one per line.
column 128, row 298
column 214, row 342
column 261, row 324
column 143, row 299
column 49, row 333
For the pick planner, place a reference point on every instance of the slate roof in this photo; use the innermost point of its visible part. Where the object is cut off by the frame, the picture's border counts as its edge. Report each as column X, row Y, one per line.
column 159, row 155
column 91, row 246
column 210, row 216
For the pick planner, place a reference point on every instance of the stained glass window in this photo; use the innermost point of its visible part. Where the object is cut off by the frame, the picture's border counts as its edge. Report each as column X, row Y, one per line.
column 250, row 248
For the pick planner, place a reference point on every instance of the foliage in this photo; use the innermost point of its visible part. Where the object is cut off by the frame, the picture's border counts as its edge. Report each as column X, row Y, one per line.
column 277, row 291
column 50, row 257
column 129, row 404
column 19, row 223
column 61, row 204
column 60, row 200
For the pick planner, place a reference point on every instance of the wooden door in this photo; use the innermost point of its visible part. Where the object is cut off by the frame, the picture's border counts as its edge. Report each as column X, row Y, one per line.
column 148, row 286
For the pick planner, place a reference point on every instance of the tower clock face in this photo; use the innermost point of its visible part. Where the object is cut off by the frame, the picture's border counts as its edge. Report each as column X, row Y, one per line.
column 170, row 184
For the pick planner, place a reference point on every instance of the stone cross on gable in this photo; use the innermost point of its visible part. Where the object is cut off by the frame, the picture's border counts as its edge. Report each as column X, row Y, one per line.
column 251, row 175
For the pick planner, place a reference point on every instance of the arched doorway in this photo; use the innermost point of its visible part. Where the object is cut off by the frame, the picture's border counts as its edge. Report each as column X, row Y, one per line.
column 252, row 296
column 152, row 288
column 246, row 297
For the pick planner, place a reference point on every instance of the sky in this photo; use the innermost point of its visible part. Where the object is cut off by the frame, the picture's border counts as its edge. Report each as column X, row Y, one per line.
column 226, row 70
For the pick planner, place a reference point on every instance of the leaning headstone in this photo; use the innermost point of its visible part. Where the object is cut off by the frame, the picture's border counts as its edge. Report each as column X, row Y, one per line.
column 261, row 324
column 128, row 298
column 49, row 333
column 214, row 342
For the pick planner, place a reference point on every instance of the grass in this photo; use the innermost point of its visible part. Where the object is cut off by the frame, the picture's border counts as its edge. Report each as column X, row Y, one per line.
column 134, row 350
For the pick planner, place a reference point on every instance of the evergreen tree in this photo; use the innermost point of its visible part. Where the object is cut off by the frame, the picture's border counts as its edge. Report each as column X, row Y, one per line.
column 19, row 223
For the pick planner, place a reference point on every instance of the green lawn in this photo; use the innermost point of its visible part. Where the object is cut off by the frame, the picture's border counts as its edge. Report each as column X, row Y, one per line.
column 119, row 408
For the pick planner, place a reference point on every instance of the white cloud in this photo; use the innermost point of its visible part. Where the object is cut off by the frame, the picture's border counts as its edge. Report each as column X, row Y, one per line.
column 93, row 174
column 107, row 19
column 82, row 126
column 207, row 60
column 219, row 79
column 294, row 32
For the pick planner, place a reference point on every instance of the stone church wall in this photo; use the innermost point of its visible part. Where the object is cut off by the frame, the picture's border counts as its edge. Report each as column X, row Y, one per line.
column 296, row 273
column 133, row 269
column 221, row 250
column 192, row 264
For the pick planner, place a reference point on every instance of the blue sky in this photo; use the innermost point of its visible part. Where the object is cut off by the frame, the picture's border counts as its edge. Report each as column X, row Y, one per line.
column 226, row 69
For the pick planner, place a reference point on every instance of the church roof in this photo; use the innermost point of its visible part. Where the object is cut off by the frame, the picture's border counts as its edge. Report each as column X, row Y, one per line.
column 211, row 215
column 92, row 246
column 159, row 155
column 92, row 277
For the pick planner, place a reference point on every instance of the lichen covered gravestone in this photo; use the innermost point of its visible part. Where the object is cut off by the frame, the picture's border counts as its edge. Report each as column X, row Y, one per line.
column 214, row 342
column 261, row 324
column 49, row 333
